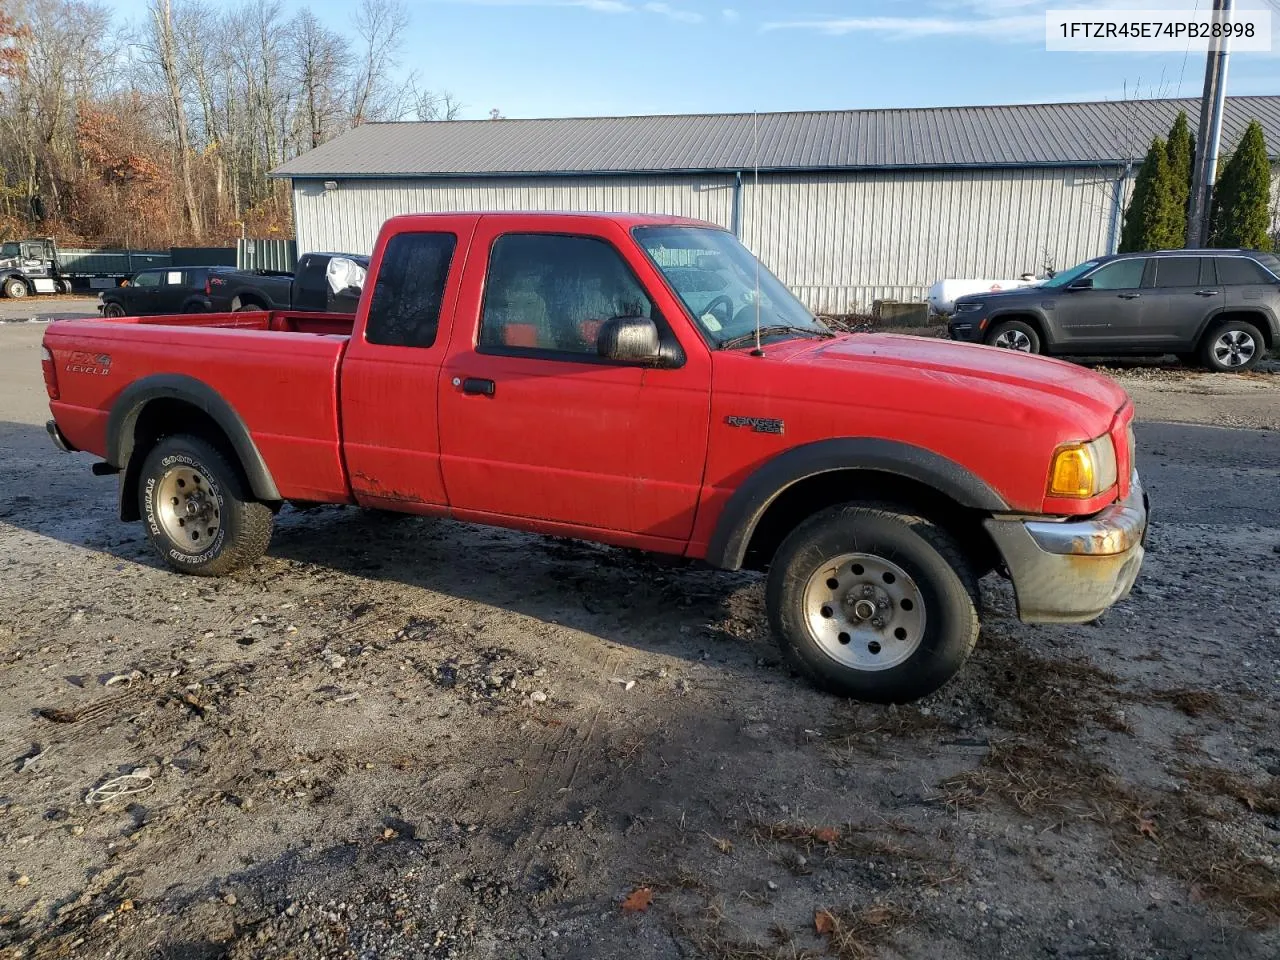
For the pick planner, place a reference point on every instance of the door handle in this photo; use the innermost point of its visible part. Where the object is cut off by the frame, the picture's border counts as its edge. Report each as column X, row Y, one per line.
column 1129, row 296
column 1206, row 293
column 479, row 387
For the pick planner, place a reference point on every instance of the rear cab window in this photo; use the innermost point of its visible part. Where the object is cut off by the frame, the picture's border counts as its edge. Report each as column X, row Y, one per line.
column 408, row 293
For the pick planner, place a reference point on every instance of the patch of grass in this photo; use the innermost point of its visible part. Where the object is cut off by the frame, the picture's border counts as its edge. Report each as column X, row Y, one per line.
column 855, row 932
column 1194, row 703
column 1258, row 796
column 1044, row 780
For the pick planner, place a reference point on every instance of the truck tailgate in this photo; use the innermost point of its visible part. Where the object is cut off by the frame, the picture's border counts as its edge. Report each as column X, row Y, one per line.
column 282, row 385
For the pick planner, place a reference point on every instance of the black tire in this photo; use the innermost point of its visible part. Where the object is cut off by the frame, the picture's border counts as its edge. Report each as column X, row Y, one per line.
column 112, row 309
column 245, row 307
column 1222, row 349
column 64, row 286
column 1014, row 331
column 1188, row 359
column 15, row 288
column 243, row 526
column 943, row 579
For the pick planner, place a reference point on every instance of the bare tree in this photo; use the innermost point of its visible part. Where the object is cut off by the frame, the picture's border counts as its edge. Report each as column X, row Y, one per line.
column 319, row 66
column 379, row 24
column 163, row 50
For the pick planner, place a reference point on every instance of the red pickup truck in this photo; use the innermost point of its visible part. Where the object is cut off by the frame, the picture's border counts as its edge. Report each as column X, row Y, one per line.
column 640, row 381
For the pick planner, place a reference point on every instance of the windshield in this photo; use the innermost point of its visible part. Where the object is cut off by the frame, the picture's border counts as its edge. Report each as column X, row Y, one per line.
column 1066, row 276
column 715, row 276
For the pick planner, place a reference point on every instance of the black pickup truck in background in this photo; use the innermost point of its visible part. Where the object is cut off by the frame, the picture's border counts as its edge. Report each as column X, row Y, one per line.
column 323, row 282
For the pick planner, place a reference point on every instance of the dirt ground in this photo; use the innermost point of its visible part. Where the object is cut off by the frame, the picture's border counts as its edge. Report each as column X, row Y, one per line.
column 404, row 738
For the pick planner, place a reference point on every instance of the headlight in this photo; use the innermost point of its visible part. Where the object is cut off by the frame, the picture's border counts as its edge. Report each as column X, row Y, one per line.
column 1083, row 470
column 969, row 307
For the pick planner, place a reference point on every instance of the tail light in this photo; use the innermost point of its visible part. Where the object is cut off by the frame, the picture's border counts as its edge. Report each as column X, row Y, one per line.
column 50, row 373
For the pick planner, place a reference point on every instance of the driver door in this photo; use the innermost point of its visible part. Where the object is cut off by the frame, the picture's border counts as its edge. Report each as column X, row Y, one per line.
column 142, row 294
column 535, row 425
column 1107, row 314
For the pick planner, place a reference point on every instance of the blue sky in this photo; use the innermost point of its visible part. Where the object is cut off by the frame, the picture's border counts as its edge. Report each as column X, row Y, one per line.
column 533, row 58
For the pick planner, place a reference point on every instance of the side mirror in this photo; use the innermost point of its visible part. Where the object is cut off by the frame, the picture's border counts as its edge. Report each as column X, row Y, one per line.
column 1085, row 284
column 629, row 340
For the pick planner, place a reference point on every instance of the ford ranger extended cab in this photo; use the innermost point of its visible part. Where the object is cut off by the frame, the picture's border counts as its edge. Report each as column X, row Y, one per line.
column 639, row 381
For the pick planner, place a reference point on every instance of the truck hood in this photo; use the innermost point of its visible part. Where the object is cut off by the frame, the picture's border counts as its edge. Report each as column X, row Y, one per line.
column 10, row 263
column 980, row 369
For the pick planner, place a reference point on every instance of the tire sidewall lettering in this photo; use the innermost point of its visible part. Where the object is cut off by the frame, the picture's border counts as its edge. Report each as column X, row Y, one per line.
column 149, row 511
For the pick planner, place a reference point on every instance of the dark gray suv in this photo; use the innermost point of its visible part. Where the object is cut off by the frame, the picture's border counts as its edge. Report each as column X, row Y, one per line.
column 1220, row 308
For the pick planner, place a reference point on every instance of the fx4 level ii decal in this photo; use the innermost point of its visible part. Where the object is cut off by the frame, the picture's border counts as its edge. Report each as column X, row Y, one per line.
column 97, row 364
column 757, row 424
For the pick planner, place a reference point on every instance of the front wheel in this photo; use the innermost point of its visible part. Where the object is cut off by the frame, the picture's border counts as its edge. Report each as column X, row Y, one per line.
column 15, row 288
column 198, row 513
column 874, row 604
column 112, row 310
column 1015, row 335
column 1234, row 347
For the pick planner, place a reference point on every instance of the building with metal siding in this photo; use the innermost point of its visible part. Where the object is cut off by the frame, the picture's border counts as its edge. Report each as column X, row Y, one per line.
column 847, row 207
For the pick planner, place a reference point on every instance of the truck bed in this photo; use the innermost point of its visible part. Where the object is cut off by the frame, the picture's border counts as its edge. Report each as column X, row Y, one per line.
column 277, row 369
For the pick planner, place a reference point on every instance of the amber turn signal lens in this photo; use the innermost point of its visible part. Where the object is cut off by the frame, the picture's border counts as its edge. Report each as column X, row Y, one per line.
column 1072, row 473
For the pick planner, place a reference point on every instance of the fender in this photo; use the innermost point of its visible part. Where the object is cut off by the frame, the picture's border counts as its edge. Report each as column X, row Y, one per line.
column 1270, row 326
column 738, row 520
column 1021, row 313
column 123, row 421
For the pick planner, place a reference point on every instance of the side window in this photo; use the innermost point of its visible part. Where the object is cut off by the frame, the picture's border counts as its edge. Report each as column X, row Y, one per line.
column 1119, row 275
column 1178, row 271
column 405, row 308
column 147, row 280
column 1241, row 270
column 553, row 293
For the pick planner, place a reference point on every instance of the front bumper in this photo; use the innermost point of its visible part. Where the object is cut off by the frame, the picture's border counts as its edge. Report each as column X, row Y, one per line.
column 967, row 330
column 1071, row 571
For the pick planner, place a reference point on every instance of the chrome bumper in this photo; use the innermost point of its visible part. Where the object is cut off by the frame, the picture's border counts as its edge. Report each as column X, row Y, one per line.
column 1069, row 571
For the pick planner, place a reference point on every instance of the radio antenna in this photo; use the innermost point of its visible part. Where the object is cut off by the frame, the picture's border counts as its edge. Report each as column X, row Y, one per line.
column 755, row 189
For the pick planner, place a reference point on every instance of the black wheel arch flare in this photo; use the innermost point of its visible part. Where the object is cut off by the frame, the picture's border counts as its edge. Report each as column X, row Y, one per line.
column 738, row 520
column 122, row 424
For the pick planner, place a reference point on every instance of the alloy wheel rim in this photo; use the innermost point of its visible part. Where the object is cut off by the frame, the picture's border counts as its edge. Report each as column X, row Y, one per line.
column 187, row 509
column 1234, row 348
column 864, row 612
column 1014, row 340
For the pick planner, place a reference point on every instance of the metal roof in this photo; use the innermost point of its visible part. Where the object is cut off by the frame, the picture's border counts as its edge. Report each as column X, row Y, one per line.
column 1048, row 134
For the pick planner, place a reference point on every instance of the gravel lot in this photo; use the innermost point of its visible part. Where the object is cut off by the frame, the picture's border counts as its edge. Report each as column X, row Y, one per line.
column 404, row 738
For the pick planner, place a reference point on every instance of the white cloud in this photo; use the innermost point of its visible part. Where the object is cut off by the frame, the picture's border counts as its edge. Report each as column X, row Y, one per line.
column 1016, row 29
column 731, row 15
column 1014, row 21
column 671, row 13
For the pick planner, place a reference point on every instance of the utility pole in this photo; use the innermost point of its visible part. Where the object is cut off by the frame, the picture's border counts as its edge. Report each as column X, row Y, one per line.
column 1210, row 134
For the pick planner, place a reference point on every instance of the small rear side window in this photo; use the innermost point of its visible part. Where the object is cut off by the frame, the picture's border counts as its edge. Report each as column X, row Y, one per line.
column 1241, row 270
column 405, row 308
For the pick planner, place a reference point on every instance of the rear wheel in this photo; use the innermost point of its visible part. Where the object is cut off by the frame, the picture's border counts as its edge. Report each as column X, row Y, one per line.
column 198, row 512
column 64, row 286
column 1015, row 335
column 15, row 288
column 871, row 603
column 1234, row 347
column 244, row 307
